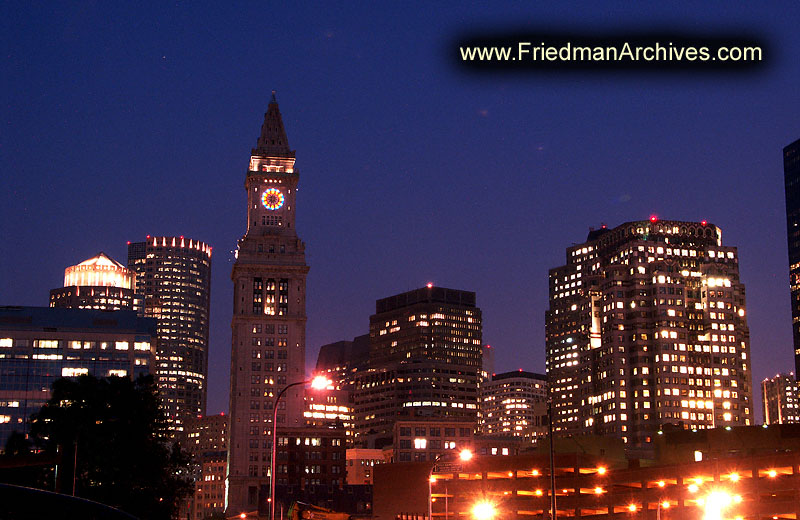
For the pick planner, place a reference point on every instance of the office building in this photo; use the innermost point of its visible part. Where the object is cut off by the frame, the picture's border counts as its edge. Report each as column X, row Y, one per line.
column 647, row 327
column 41, row 344
column 342, row 360
column 515, row 404
column 97, row 283
column 780, row 404
column 173, row 276
column 207, row 441
column 424, row 361
column 269, row 316
column 791, row 177
column 330, row 409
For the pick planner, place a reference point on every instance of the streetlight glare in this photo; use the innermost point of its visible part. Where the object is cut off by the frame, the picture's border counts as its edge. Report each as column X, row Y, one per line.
column 484, row 511
column 715, row 503
column 465, row 455
column 320, row 383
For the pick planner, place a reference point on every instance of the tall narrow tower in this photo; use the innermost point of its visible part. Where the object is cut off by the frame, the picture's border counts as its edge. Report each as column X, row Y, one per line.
column 269, row 316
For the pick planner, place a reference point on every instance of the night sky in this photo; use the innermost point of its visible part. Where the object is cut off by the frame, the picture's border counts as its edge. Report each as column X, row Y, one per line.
column 121, row 122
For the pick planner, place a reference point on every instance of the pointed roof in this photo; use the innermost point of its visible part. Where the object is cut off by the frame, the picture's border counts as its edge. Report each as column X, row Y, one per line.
column 102, row 260
column 273, row 142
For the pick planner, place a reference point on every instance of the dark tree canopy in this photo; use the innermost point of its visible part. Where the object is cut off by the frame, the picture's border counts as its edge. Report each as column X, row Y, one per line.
column 122, row 458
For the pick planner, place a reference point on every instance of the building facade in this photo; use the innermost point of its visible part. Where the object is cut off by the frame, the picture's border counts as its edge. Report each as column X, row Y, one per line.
column 330, row 409
column 647, row 327
column 361, row 463
column 515, row 404
column 207, row 441
column 759, row 478
column 424, row 361
column 269, row 315
column 780, row 403
column 40, row 344
column 791, row 177
column 173, row 277
column 342, row 360
column 99, row 283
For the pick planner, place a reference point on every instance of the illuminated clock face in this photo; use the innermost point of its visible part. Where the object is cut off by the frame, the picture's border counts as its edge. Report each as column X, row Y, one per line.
column 272, row 199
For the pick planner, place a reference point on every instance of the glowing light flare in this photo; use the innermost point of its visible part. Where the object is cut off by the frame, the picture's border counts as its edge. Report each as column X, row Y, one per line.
column 466, row 455
column 430, row 285
column 484, row 511
column 632, row 508
column 653, row 218
column 320, row 383
column 715, row 503
column 734, row 477
column 535, row 473
column 598, row 490
column 665, row 504
column 772, row 473
column 693, row 488
column 601, row 470
column 661, row 483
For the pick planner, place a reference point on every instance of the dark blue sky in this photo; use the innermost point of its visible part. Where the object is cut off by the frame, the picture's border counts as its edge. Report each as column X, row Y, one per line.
column 119, row 122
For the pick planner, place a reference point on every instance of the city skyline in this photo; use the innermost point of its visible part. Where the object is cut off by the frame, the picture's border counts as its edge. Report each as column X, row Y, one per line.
column 413, row 171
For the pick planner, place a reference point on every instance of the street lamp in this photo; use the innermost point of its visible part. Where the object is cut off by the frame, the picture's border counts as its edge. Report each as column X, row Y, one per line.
column 484, row 511
column 716, row 502
column 317, row 383
column 664, row 504
column 463, row 455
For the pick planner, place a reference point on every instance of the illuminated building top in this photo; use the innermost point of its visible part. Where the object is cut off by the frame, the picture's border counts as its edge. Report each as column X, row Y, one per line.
column 98, row 271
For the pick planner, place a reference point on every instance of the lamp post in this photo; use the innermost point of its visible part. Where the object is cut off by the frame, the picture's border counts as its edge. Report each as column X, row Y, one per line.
column 317, row 383
column 663, row 504
column 464, row 455
column 552, row 459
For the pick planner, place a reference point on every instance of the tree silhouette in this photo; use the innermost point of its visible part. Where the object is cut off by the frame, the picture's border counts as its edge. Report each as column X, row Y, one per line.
column 113, row 428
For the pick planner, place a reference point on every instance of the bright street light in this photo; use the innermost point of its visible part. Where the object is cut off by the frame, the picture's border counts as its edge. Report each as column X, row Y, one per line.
column 320, row 383
column 317, row 383
column 464, row 455
column 715, row 503
column 484, row 511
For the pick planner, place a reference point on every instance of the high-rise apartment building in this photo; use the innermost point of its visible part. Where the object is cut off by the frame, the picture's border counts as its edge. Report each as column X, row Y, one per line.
column 514, row 404
column 647, row 327
column 173, row 276
column 780, row 403
column 99, row 283
column 424, row 361
column 791, row 177
column 40, row 344
column 269, row 316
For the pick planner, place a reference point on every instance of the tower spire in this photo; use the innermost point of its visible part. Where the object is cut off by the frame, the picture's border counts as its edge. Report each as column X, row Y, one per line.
column 273, row 142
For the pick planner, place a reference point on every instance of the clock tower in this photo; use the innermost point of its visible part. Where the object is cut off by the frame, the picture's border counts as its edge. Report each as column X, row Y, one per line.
column 269, row 317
